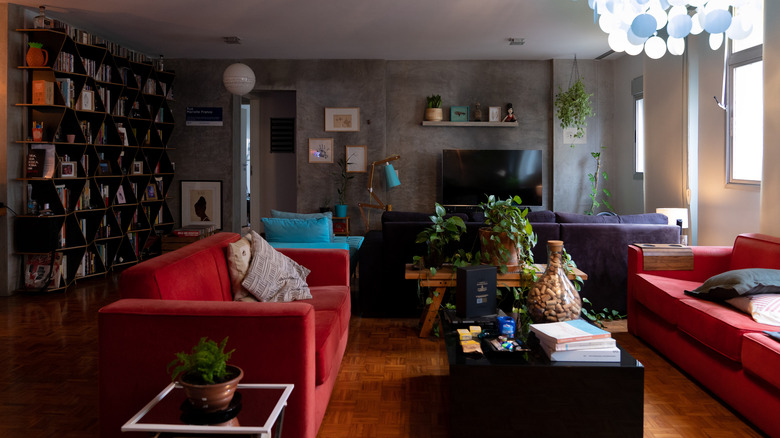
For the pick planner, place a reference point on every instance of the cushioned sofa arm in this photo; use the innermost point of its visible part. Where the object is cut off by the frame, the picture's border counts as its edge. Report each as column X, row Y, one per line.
column 274, row 343
column 707, row 261
column 329, row 267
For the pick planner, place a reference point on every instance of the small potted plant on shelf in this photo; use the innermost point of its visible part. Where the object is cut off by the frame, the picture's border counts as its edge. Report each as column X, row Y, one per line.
column 433, row 112
column 507, row 238
column 342, row 178
column 207, row 379
column 438, row 236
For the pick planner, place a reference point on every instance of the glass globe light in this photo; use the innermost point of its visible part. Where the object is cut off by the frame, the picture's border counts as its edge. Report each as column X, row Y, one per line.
column 655, row 47
column 716, row 39
column 676, row 46
column 239, row 79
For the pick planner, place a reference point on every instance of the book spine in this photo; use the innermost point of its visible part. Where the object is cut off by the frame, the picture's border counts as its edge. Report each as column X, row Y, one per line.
column 581, row 345
column 592, row 355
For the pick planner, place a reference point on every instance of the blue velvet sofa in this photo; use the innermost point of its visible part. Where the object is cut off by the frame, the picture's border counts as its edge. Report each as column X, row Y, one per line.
column 598, row 244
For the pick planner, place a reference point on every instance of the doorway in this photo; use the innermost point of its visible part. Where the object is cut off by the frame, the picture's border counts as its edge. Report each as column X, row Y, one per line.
column 272, row 170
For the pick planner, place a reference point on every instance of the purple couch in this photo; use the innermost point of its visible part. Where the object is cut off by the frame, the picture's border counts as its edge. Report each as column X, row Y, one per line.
column 598, row 244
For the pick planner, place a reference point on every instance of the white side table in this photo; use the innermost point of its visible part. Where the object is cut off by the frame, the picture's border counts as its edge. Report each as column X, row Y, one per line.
column 261, row 407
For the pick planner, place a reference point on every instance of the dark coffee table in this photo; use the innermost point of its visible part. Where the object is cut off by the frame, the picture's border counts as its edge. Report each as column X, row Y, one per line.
column 503, row 395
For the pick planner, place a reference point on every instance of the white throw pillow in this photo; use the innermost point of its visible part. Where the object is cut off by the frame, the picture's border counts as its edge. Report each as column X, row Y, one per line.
column 239, row 256
column 274, row 277
column 764, row 308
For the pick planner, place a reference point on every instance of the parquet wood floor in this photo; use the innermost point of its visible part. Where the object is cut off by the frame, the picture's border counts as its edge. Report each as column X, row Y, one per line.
column 391, row 384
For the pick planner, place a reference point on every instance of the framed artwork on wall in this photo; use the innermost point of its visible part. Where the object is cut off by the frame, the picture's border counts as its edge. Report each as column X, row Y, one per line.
column 342, row 119
column 201, row 203
column 356, row 159
column 320, row 150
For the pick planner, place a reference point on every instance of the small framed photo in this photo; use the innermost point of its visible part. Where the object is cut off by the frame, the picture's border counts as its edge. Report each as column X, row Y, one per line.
column 122, row 135
column 88, row 100
column 67, row 169
column 356, row 159
column 104, row 168
column 320, row 150
column 138, row 167
column 201, row 203
column 459, row 114
column 151, row 192
column 342, row 119
column 494, row 114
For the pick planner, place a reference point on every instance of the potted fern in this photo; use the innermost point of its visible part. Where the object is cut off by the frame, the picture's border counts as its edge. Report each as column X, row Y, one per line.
column 508, row 238
column 433, row 112
column 207, row 379
column 342, row 178
column 573, row 106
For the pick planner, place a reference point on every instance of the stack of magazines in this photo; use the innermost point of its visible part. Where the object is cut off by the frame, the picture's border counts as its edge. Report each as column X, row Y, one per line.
column 576, row 341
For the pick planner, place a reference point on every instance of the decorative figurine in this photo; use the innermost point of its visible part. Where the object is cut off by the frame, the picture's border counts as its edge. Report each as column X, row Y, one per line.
column 510, row 117
column 477, row 113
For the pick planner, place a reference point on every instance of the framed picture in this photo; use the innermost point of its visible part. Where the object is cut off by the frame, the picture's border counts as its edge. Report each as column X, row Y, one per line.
column 122, row 135
column 151, row 192
column 88, row 100
column 342, row 119
column 138, row 167
column 201, row 203
column 320, row 150
column 356, row 159
column 494, row 114
column 67, row 169
column 459, row 114
column 104, row 168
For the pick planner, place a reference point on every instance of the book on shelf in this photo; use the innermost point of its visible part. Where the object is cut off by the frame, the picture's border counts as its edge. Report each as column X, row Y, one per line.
column 590, row 355
column 579, row 345
column 49, row 159
column 568, row 331
column 35, row 163
column 42, row 92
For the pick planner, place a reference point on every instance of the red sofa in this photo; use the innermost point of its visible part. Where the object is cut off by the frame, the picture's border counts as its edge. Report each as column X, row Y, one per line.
column 719, row 346
column 168, row 302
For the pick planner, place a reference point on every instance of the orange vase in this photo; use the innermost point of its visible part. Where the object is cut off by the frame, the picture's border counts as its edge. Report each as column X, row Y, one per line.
column 37, row 57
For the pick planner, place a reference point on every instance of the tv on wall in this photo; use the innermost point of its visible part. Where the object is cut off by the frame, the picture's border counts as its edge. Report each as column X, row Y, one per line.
column 469, row 175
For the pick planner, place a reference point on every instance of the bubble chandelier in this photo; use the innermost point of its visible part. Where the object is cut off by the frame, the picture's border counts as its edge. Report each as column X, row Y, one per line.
column 634, row 25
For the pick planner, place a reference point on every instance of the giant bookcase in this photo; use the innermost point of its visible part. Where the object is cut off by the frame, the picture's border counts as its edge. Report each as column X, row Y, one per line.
column 114, row 208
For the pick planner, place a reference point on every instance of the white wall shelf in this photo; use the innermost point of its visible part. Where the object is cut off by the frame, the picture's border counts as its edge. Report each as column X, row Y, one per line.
column 473, row 124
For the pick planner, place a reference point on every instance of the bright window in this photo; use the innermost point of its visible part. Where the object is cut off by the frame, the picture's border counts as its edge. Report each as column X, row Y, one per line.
column 639, row 135
column 745, row 147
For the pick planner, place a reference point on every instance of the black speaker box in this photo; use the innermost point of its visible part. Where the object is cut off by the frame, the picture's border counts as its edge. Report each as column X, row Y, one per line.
column 476, row 291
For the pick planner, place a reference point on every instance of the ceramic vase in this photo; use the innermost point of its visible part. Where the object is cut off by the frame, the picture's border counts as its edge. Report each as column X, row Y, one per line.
column 37, row 57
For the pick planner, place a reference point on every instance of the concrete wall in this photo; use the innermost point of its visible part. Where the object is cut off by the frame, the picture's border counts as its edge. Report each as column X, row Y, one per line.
column 391, row 98
column 628, row 186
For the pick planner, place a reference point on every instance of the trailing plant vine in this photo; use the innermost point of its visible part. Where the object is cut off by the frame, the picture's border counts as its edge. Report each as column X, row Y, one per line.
column 594, row 186
column 573, row 106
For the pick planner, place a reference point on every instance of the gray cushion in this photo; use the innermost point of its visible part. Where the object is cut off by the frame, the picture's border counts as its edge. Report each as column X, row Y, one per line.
column 646, row 218
column 574, row 218
column 274, row 277
column 738, row 282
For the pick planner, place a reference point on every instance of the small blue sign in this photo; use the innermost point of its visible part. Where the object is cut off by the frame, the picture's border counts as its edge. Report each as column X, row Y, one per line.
column 204, row 116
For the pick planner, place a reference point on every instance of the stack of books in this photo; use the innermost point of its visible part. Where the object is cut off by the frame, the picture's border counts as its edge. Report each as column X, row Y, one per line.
column 576, row 341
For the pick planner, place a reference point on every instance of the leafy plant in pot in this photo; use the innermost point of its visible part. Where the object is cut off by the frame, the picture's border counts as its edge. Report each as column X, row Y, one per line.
column 342, row 178
column 573, row 106
column 439, row 236
column 207, row 379
column 433, row 112
column 508, row 237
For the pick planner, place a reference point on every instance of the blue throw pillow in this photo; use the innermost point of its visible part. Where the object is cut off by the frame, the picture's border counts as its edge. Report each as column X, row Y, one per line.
column 297, row 230
column 291, row 215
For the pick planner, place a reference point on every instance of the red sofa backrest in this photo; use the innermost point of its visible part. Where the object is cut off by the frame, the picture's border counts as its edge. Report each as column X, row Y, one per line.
column 756, row 251
column 196, row 272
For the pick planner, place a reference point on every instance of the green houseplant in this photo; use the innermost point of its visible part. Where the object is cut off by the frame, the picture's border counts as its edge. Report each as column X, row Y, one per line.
column 594, row 186
column 442, row 232
column 342, row 178
column 433, row 112
column 207, row 379
column 508, row 237
column 573, row 106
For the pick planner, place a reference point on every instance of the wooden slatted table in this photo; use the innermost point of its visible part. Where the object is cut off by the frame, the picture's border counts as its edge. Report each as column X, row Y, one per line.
column 447, row 277
column 666, row 256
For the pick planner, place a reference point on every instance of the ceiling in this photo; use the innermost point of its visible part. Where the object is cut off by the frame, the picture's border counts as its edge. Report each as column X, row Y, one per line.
column 341, row 29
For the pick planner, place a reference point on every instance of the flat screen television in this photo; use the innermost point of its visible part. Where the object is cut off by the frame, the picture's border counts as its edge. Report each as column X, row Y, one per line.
column 469, row 175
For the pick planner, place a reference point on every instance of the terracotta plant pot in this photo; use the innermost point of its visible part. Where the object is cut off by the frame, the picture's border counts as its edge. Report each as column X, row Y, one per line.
column 216, row 397
column 491, row 252
column 433, row 114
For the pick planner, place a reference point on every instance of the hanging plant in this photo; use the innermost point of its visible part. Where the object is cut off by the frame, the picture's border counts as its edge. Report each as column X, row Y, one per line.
column 573, row 106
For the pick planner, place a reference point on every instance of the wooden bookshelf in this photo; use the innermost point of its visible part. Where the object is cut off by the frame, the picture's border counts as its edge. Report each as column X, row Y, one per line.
column 110, row 116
